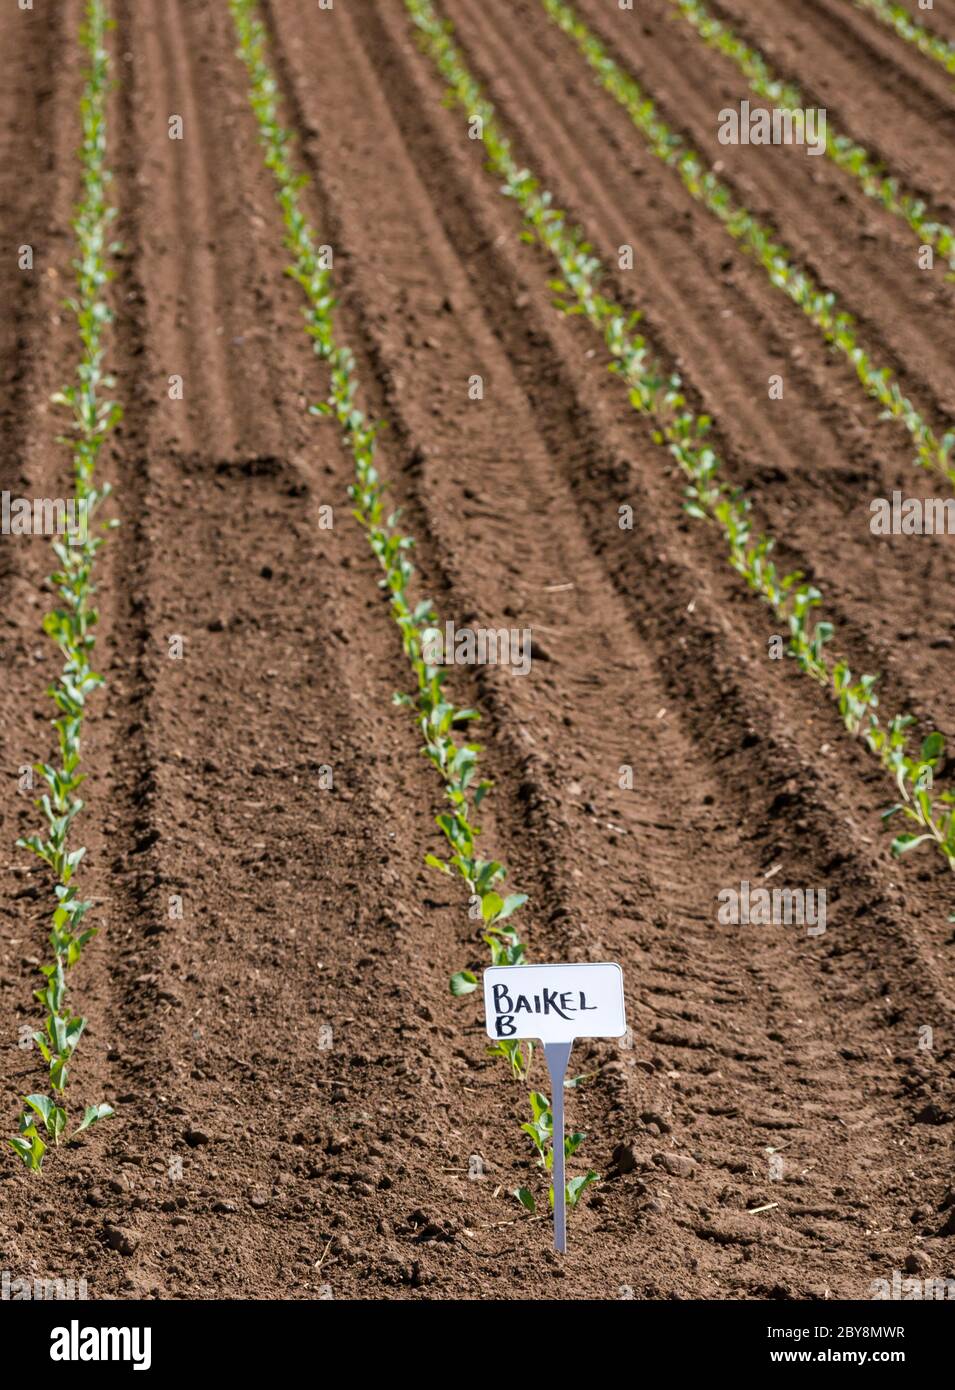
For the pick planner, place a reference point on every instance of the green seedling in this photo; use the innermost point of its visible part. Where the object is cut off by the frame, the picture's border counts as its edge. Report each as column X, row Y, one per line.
column 52, row 1115
column 70, row 625
column 91, row 1115
column 28, row 1144
column 516, row 1053
column 915, row 778
column 464, row 982
column 540, row 1130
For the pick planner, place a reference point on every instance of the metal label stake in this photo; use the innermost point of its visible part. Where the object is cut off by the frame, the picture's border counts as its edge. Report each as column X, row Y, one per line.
column 557, row 1055
column 555, row 1004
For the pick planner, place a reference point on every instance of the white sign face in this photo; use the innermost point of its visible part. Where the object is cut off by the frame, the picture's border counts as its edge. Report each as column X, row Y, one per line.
column 555, row 1003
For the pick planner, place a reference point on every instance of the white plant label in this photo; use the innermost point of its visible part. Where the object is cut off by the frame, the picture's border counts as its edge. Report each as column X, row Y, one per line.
column 555, row 1003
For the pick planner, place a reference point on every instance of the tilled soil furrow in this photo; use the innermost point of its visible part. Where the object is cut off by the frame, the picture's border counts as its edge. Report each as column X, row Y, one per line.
column 51, row 353
column 527, row 798
column 35, row 206
column 186, row 179
column 33, row 219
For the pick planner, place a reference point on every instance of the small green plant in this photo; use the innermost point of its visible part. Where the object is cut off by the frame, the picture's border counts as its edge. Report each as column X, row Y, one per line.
column 439, row 720
column 658, row 394
column 845, row 152
column 540, row 1131
column 70, row 625
column 915, row 778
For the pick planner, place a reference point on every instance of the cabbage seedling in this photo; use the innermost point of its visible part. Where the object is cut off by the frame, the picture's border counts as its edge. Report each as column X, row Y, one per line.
column 540, row 1130
column 70, row 625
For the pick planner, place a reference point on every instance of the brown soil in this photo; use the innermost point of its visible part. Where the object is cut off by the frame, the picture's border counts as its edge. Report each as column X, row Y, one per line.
column 249, row 1159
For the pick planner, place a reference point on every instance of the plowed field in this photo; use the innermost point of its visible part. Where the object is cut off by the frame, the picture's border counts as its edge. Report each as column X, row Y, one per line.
column 248, row 1158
